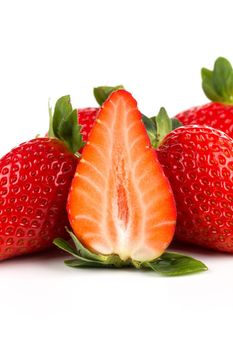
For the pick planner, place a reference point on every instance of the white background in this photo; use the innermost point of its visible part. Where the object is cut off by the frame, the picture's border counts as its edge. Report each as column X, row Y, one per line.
column 156, row 49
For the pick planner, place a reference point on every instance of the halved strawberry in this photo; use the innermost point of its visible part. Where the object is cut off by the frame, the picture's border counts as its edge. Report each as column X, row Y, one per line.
column 120, row 201
column 120, row 205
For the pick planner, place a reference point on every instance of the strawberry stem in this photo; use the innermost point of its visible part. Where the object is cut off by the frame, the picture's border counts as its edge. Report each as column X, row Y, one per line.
column 50, row 132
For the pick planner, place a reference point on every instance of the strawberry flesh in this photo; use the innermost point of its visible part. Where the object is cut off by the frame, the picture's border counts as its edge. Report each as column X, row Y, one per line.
column 120, row 201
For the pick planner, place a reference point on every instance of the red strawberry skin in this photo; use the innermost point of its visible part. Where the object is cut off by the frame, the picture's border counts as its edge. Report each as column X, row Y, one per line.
column 198, row 162
column 34, row 182
column 214, row 114
column 86, row 118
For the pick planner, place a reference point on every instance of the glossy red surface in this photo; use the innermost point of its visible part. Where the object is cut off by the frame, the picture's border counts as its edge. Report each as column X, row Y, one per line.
column 34, row 182
column 198, row 162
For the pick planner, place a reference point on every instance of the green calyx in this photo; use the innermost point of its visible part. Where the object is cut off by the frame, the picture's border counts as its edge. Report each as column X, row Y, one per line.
column 158, row 127
column 101, row 93
column 218, row 83
column 86, row 258
column 64, row 125
column 168, row 264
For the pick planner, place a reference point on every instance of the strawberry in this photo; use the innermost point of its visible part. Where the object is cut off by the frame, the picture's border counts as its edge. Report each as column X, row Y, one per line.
column 198, row 162
column 108, row 153
column 218, row 87
column 86, row 119
column 34, row 182
column 120, row 205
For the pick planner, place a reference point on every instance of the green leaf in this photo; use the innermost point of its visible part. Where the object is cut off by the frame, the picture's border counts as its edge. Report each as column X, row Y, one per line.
column 173, row 264
column 207, row 85
column 169, row 264
column 80, row 263
column 158, row 127
column 92, row 263
column 84, row 252
column 150, row 126
column 163, row 125
column 62, row 110
column 221, row 74
column 64, row 124
column 65, row 246
column 176, row 123
column 69, row 132
column 218, row 84
column 101, row 93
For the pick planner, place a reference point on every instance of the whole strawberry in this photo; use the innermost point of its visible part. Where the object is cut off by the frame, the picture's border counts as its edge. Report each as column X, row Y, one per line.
column 34, row 182
column 218, row 87
column 198, row 162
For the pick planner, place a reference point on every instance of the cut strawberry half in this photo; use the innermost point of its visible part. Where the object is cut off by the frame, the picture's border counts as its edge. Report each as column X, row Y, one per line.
column 120, row 201
column 121, row 206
